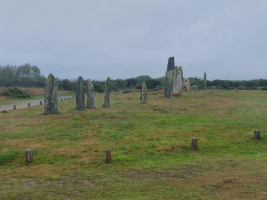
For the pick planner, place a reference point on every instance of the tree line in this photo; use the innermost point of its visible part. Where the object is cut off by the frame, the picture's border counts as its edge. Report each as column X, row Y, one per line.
column 25, row 76
column 117, row 84
column 229, row 84
column 30, row 76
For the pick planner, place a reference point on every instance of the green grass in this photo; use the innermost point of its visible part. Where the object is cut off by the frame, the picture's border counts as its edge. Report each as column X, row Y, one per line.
column 151, row 153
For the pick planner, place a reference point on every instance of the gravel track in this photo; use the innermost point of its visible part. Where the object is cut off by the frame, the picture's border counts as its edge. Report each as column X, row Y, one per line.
column 24, row 103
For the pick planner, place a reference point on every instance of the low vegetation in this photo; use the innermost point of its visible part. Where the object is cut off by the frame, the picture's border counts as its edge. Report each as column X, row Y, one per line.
column 15, row 93
column 150, row 145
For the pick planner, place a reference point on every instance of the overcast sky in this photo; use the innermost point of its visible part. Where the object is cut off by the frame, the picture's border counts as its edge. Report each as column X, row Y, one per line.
column 126, row 38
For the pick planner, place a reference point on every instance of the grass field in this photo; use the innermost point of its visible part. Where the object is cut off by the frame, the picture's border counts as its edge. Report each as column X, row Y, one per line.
column 150, row 144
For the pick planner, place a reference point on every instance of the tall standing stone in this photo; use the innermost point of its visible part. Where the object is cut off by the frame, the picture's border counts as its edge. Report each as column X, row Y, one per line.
column 50, row 98
column 205, row 81
column 107, row 93
column 177, row 80
column 170, row 65
column 169, row 84
column 143, row 93
column 91, row 101
column 80, row 94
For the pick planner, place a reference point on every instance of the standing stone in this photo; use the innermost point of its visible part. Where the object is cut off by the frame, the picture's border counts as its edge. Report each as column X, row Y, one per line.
column 80, row 94
column 177, row 80
column 205, row 81
column 182, row 73
column 193, row 88
column 91, row 101
column 170, row 68
column 107, row 93
column 143, row 93
column 50, row 98
column 186, row 85
column 169, row 84
column 170, row 65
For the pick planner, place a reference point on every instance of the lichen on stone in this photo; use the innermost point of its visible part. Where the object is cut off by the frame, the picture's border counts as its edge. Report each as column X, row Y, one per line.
column 51, row 98
column 80, row 94
column 107, row 94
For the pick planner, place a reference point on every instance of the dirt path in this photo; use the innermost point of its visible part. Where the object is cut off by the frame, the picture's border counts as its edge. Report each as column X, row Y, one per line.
column 24, row 103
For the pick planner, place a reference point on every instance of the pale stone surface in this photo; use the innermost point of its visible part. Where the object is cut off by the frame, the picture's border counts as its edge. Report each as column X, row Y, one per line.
column 170, row 65
column 186, row 85
column 193, row 88
column 91, row 101
column 205, row 81
column 177, row 80
column 182, row 73
column 169, row 84
column 143, row 93
column 107, row 93
column 50, row 98
column 80, row 94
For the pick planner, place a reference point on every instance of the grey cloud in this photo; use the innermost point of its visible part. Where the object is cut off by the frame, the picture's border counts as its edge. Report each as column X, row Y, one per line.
column 121, row 39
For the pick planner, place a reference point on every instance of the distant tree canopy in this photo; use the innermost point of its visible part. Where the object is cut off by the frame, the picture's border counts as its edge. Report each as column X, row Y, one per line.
column 227, row 84
column 24, row 75
column 30, row 76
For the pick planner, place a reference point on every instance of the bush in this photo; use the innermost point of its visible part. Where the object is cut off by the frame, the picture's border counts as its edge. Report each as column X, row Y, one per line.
column 126, row 91
column 16, row 93
column 159, row 88
column 264, row 88
column 138, row 86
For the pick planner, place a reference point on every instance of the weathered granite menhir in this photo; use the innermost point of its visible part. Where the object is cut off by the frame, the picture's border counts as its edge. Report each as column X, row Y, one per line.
column 193, row 88
column 169, row 78
column 91, row 101
column 80, row 94
column 177, row 80
column 50, row 98
column 107, row 93
column 171, row 64
column 143, row 93
column 186, row 85
column 205, row 81
column 169, row 84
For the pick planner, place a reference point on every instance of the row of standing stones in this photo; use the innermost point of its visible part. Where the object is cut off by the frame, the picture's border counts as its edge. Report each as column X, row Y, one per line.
column 174, row 80
column 51, row 97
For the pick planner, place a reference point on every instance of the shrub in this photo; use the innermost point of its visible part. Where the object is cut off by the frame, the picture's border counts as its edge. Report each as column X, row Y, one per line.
column 16, row 93
column 138, row 86
column 126, row 91
column 264, row 88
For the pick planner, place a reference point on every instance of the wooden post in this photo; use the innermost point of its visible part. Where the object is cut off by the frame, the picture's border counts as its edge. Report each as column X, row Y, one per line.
column 67, row 98
column 29, row 155
column 15, row 107
column 257, row 135
column 41, row 103
column 61, row 99
column 195, row 143
column 29, row 104
column 108, row 156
